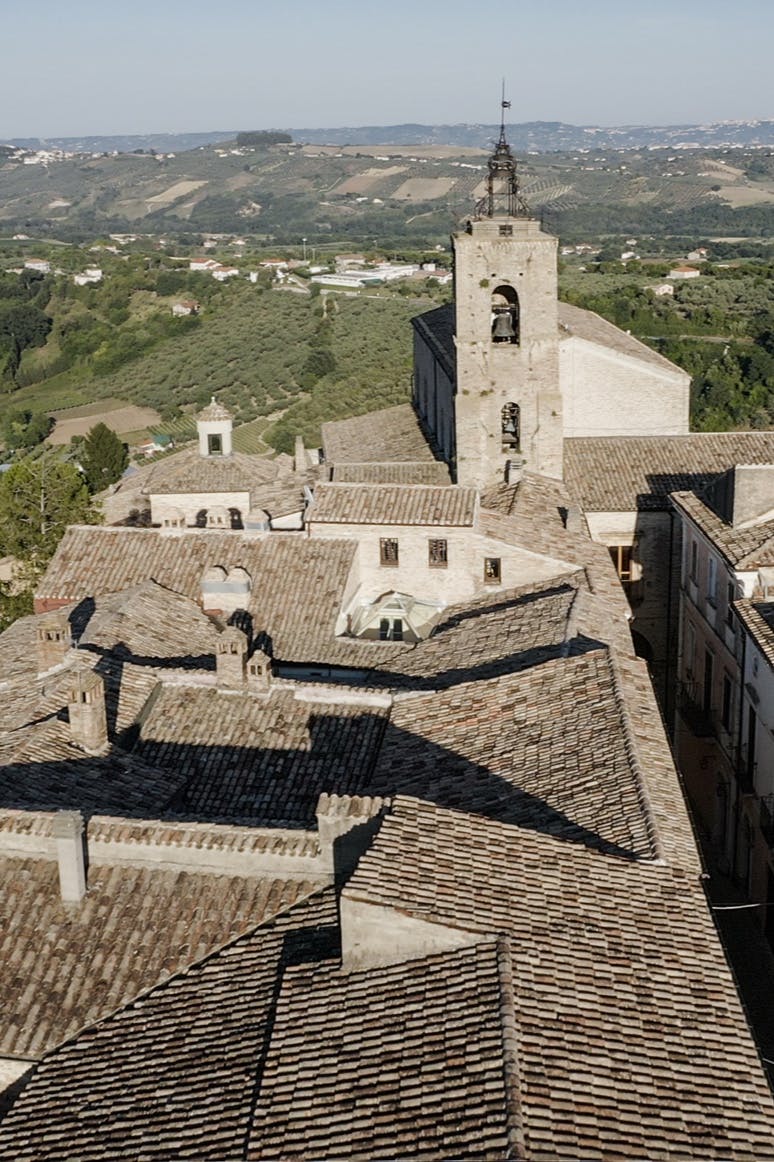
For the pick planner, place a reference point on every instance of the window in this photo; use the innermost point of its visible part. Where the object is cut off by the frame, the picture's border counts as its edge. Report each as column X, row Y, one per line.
column 492, row 570
column 712, row 580
column 694, row 561
column 690, row 650
column 728, row 690
column 510, row 423
column 437, row 554
column 506, row 231
column 391, row 629
column 388, row 551
column 707, row 687
column 215, row 444
column 730, row 599
column 622, row 559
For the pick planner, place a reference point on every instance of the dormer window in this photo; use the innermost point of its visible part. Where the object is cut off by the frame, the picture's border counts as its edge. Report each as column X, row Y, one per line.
column 214, row 444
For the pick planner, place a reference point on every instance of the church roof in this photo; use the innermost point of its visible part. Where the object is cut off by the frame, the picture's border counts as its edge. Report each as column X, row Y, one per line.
column 577, row 322
column 626, row 473
column 390, row 435
column 434, row 472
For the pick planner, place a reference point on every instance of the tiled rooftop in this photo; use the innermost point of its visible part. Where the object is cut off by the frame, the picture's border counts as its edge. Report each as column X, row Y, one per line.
column 392, row 504
column 626, row 473
column 758, row 619
column 393, row 434
column 433, row 472
column 630, row 1038
column 66, row 965
column 582, row 324
column 172, row 1074
column 743, row 547
column 408, row 1062
column 581, row 772
column 262, row 760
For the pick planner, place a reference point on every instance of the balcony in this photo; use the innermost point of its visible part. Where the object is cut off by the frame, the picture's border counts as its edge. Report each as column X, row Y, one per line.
column 698, row 720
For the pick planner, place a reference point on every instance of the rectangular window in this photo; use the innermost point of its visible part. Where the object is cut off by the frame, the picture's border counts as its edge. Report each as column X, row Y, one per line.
column 215, row 444
column 727, row 701
column 506, row 231
column 388, row 551
column 707, row 687
column 694, row 561
column 712, row 580
column 730, row 599
column 622, row 559
column 437, row 554
column 690, row 650
column 492, row 570
column 391, row 629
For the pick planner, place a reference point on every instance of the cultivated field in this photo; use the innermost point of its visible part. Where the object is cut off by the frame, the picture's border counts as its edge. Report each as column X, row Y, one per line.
column 122, row 418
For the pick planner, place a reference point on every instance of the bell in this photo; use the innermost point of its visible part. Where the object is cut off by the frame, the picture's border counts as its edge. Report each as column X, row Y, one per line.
column 502, row 330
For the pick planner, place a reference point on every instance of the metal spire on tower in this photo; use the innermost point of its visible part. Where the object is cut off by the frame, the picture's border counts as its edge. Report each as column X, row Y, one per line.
column 503, row 198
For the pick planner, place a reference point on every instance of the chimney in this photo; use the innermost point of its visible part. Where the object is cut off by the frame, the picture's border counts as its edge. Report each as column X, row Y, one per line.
column 300, row 460
column 52, row 640
column 231, row 658
column 259, row 672
column 71, row 855
column 573, row 519
column 88, row 718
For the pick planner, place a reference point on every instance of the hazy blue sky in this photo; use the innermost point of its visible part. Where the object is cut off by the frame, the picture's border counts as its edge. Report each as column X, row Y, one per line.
column 75, row 67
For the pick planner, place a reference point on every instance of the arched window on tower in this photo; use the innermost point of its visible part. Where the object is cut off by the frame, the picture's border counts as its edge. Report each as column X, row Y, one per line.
column 505, row 315
column 511, row 426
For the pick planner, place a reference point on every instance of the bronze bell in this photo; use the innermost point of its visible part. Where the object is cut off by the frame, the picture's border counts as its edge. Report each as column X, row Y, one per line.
column 502, row 329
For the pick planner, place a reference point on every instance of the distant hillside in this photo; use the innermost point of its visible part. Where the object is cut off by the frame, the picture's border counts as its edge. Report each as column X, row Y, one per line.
column 542, row 136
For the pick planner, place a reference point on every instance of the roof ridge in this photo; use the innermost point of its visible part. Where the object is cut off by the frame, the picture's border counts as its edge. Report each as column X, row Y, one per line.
column 512, row 1073
column 633, row 755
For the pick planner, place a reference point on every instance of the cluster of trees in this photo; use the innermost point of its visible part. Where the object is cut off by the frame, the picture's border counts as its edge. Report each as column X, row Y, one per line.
column 260, row 138
column 720, row 328
column 23, row 321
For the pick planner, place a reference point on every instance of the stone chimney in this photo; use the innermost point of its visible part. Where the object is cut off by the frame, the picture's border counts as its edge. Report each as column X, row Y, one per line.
column 71, row 855
column 88, row 718
column 52, row 640
column 259, row 672
column 573, row 519
column 231, row 658
column 300, row 462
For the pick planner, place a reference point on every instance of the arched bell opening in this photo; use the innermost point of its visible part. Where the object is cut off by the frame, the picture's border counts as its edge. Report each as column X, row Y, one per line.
column 505, row 315
column 511, row 426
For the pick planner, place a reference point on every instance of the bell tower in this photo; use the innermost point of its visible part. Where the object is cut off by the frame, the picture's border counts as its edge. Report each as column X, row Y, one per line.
column 507, row 406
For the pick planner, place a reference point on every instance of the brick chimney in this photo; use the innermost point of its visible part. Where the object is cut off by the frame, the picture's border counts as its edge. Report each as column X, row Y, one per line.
column 71, row 855
column 88, row 718
column 52, row 640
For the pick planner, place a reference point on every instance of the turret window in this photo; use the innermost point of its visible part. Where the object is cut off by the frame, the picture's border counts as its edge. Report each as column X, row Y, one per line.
column 505, row 315
column 215, row 444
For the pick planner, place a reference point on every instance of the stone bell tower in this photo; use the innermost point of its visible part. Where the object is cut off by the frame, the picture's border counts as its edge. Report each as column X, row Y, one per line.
column 507, row 407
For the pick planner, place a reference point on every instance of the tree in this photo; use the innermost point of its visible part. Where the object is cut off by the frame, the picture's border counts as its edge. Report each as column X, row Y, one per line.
column 104, row 457
column 39, row 499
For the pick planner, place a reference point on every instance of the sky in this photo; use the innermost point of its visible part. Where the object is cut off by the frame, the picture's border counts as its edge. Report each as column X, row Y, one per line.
column 88, row 67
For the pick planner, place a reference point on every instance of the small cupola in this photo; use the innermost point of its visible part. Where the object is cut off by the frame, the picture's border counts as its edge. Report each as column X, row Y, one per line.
column 214, row 425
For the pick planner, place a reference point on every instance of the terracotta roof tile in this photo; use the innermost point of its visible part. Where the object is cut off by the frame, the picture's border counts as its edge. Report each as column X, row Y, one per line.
column 743, row 547
column 393, row 434
column 392, row 504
